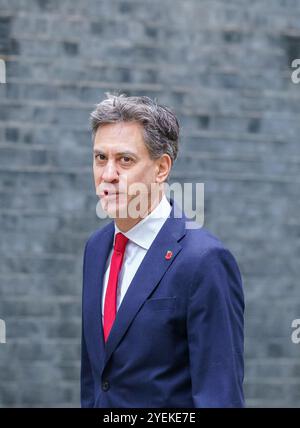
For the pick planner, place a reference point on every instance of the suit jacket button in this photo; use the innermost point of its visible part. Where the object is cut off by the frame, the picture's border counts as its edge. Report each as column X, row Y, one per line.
column 105, row 385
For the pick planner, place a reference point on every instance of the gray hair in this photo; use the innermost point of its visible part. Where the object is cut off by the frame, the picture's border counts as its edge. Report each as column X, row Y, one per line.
column 161, row 127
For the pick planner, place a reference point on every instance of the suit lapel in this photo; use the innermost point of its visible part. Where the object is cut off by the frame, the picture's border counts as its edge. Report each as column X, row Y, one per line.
column 98, row 259
column 151, row 270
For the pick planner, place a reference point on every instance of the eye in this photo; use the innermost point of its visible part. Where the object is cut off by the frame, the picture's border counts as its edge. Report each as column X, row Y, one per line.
column 98, row 157
column 126, row 159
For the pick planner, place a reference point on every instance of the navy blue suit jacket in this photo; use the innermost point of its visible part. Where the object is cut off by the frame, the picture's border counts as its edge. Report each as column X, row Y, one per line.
column 177, row 340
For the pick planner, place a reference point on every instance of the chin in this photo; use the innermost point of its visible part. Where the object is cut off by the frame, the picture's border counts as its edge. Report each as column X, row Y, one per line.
column 112, row 208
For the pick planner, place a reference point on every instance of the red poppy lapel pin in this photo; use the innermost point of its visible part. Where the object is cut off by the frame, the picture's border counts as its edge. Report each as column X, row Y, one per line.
column 168, row 255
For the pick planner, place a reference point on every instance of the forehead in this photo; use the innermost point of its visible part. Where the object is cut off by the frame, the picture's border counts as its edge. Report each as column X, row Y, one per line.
column 118, row 136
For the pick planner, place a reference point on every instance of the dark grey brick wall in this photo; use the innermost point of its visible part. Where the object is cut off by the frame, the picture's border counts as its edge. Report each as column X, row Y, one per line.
column 224, row 66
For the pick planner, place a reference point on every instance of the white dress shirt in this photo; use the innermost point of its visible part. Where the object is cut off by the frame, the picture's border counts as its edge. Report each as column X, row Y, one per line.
column 140, row 238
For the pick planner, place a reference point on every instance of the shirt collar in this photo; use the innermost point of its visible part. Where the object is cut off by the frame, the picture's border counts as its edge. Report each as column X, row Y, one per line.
column 144, row 232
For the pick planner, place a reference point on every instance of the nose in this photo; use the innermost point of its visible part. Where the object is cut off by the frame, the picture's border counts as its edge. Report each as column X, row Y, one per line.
column 110, row 172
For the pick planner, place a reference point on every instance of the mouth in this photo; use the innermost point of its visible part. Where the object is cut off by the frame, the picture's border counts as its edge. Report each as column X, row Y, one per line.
column 106, row 193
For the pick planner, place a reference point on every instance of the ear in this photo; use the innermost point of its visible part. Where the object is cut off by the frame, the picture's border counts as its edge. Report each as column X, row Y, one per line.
column 163, row 168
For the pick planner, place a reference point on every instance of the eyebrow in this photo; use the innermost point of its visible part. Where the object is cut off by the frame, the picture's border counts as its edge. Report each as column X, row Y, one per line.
column 127, row 152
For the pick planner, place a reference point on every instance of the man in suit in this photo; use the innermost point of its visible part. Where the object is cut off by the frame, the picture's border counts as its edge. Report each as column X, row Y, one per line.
column 162, row 304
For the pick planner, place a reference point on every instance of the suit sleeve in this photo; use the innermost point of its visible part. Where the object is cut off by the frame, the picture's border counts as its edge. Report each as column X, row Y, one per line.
column 86, row 375
column 215, row 323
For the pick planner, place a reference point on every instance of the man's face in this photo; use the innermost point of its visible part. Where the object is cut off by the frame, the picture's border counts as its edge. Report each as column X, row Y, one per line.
column 121, row 159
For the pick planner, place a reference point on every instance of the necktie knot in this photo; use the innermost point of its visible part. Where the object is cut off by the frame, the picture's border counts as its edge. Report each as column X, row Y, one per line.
column 120, row 242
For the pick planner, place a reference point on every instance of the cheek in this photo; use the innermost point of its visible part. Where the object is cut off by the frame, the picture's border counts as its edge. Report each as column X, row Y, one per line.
column 97, row 174
column 146, row 174
column 141, row 176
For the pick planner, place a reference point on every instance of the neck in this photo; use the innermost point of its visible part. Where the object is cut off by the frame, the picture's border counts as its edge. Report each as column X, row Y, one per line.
column 125, row 224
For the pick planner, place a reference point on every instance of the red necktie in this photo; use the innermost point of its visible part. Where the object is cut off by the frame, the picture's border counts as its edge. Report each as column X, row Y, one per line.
column 110, row 305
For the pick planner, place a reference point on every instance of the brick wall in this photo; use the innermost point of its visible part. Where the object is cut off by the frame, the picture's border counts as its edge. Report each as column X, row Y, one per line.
column 224, row 67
